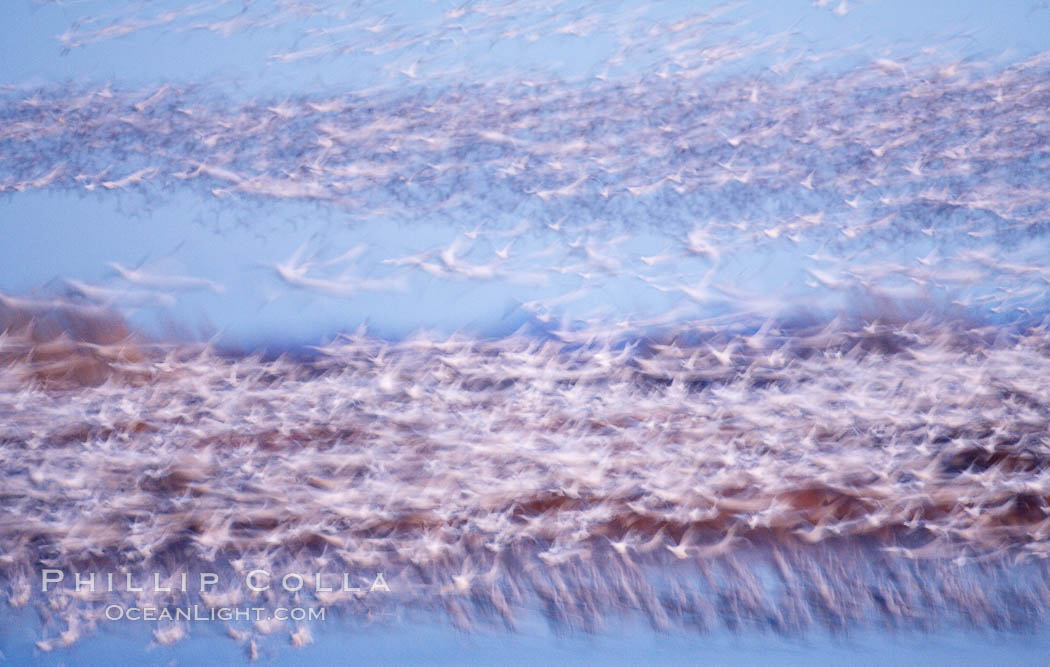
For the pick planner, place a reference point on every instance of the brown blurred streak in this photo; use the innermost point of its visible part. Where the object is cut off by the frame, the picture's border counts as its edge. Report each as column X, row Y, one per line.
column 67, row 345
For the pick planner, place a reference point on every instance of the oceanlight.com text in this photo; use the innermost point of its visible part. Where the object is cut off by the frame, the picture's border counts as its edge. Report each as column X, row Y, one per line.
column 116, row 612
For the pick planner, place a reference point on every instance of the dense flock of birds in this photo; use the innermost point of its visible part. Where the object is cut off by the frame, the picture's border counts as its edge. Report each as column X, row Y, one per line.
column 915, row 177
column 786, row 477
column 734, row 459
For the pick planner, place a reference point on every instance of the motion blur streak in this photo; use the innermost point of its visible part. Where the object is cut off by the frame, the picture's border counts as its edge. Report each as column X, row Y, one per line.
column 829, row 473
column 819, row 400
